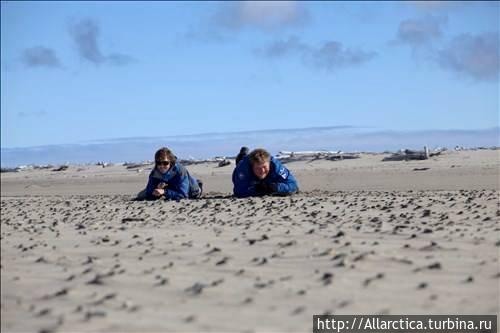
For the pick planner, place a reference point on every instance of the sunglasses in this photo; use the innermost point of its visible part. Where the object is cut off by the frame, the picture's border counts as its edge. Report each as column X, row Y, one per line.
column 163, row 163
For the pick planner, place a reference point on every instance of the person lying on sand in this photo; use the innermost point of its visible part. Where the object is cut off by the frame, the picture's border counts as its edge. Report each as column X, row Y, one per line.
column 243, row 152
column 260, row 174
column 170, row 180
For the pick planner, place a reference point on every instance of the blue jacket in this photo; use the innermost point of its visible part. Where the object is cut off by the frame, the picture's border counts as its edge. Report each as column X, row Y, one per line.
column 180, row 184
column 245, row 181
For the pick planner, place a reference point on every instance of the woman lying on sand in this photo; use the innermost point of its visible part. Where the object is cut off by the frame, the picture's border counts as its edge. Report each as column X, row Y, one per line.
column 170, row 180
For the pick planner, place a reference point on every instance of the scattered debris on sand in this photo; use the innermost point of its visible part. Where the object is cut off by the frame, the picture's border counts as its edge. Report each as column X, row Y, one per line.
column 61, row 168
column 224, row 163
column 294, row 156
column 408, row 154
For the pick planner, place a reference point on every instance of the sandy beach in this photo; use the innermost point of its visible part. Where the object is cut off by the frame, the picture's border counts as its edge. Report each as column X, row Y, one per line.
column 362, row 237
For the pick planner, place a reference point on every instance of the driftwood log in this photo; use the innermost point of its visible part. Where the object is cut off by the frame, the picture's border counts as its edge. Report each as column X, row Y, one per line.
column 223, row 163
column 286, row 157
column 61, row 168
column 408, row 154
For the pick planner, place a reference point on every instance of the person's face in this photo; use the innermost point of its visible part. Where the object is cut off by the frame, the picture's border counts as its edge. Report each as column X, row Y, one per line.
column 163, row 165
column 261, row 170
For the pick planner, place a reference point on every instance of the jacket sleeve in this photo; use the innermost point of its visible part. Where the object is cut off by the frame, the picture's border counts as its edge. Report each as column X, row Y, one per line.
column 286, row 182
column 152, row 183
column 179, row 189
column 242, row 186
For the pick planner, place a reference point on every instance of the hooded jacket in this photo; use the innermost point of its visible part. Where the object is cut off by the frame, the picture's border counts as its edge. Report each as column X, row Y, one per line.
column 279, row 179
column 180, row 185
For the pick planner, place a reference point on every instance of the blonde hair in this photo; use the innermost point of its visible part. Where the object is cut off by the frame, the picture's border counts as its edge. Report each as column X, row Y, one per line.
column 259, row 156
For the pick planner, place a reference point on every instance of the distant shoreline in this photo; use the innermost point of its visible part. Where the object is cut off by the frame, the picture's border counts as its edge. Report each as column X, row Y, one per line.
column 215, row 159
column 206, row 146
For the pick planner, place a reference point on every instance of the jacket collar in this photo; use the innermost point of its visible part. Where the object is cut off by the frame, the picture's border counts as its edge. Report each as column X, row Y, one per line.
column 169, row 174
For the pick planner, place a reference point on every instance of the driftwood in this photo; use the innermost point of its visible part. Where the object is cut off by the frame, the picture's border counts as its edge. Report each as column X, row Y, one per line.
column 223, row 163
column 104, row 164
column 137, row 165
column 61, row 168
column 191, row 162
column 286, row 157
column 420, row 169
column 218, row 159
column 43, row 167
column 407, row 154
column 342, row 157
column 2, row 170
column 30, row 167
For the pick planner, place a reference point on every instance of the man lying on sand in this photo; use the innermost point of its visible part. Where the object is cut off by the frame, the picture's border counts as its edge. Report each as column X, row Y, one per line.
column 260, row 174
column 170, row 180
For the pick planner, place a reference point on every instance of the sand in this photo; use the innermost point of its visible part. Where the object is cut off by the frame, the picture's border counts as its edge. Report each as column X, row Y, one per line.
column 362, row 237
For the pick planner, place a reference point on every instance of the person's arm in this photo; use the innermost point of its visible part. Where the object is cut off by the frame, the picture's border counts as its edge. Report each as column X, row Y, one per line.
column 152, row 183
column 242, row 187
column 288, row 186
column 286, row 182
column 178, row 188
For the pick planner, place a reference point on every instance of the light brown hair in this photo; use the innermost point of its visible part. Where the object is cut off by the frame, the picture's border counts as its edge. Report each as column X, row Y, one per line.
column 259, row 156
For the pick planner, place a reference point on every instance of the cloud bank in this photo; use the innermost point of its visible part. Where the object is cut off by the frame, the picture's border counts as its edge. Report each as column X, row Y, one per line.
column 418, row 32
column 329, row 56
column 40, row 56
column 232, row 17
column 32, row 114
column 85, row 33
column 474, row 56
column 471, row 56
column 264, row 15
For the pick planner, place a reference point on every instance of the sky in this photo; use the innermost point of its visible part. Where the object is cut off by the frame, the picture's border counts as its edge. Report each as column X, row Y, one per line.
column 74, row 72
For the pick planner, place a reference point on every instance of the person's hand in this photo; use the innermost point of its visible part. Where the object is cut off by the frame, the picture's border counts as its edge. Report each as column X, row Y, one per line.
column 260, row 188
column 162, row 185
column 158, row 192
column 265, row 188
column 273, row 187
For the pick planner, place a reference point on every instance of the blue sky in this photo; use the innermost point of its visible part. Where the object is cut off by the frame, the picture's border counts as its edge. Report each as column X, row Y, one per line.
column 79, row 71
